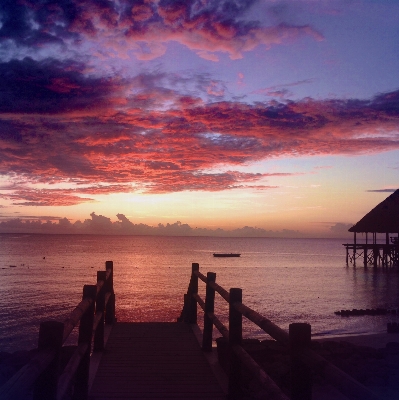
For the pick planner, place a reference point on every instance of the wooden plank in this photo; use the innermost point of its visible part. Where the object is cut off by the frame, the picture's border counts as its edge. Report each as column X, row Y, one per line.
column 153, row 361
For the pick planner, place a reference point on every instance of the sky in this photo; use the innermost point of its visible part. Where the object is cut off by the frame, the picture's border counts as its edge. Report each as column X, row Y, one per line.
column 263, row 118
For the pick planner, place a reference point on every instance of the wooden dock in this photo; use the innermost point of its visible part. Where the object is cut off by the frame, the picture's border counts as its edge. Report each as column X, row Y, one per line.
column 158, row 360
column 385, row 255
column 154, row 360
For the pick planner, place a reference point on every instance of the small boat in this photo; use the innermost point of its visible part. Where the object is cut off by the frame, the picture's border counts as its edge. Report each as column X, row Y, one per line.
column 226, row 254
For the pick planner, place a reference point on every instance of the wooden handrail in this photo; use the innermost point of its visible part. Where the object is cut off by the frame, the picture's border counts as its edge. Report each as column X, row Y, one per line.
column 20, row 383
column 75, row 317
column 199, row 301
column 67, row 376
column 269, row 327
column 46, row 360
column 97, row 319
column 99, row 285
column 200, row 276
column 338, row 378
column 223, row 292
column 219, row 325
column 273, row 391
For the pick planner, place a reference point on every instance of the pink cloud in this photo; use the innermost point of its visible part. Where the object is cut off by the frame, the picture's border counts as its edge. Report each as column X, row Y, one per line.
column 34, row 197
column 215, row 89
column 151, row 51
column 281, row 91
column 117, row 27
column 81, row 131
column 206, row 29
column 206, row 55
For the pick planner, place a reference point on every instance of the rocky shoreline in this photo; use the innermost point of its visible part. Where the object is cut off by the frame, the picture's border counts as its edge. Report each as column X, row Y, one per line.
column 375, row 368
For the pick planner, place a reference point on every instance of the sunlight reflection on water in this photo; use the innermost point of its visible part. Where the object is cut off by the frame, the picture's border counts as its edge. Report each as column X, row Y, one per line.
column 287, row 280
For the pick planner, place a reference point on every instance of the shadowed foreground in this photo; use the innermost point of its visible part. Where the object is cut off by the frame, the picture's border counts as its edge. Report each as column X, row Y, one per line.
column 154, row 360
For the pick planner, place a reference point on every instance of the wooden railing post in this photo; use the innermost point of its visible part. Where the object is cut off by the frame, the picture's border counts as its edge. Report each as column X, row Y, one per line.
column 110, row 307
column 50, row 338
column 81, row 390
column 209, row 308
column 235, row 338
column 98, row 344
column 301, row 383
column 193, row 289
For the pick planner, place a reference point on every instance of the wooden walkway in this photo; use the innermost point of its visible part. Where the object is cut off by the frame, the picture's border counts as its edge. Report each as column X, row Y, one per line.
column 154, row 360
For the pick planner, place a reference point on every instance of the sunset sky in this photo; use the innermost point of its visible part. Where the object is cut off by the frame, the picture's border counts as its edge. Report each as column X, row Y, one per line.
column 280, row 115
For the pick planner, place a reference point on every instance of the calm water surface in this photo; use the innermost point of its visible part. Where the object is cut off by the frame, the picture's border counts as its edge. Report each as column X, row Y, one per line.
column 287, row 280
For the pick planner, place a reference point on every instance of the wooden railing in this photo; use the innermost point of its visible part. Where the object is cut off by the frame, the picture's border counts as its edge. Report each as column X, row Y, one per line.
column 41, row 375
column 303, row 358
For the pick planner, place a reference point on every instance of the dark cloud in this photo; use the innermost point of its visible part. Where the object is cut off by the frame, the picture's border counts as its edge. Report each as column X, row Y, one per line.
column 102, row 225
column 340, row 229
column 29, row 24
column 34, row 217
column 281, row 91
column 81, row 132
column 382, row 190
column 49, row 87
column 59, row 197
column 41, row 197
column 38, row 23
column 195, row 181
column 205, row 27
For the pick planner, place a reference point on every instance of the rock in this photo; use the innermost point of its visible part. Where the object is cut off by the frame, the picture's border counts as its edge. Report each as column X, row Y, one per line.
column 377, row 369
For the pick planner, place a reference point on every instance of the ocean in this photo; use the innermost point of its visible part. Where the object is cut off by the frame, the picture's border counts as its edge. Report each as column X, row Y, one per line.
column 286, row 280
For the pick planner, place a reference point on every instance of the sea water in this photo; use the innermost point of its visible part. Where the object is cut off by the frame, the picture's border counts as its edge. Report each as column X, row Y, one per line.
column 286, row 280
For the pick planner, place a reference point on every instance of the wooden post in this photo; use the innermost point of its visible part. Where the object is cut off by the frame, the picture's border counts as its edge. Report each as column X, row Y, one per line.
column 375, row 255
column 193, row 289
column 110, row 265
column 354, row 249
column 209, row 308
column 235, row 338
column 110, row 308
column 81, row 389
column 50, row 338
column 100, row 309
column 386, row 251
column 301, row 384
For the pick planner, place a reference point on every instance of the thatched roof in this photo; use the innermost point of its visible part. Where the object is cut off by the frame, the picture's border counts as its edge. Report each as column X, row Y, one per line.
column 381, row 219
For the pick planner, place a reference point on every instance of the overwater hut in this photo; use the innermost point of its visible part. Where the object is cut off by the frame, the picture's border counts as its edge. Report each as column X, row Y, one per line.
column 382, row 219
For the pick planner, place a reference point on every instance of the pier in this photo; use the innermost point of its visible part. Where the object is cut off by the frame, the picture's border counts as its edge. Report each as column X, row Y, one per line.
column 154, row 360
column 175, row 360
column 382, row 219
column 375, row 254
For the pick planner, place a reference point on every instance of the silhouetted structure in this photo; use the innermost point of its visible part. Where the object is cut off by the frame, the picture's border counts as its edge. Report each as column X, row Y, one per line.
column 384, row 218
column 163, row 359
